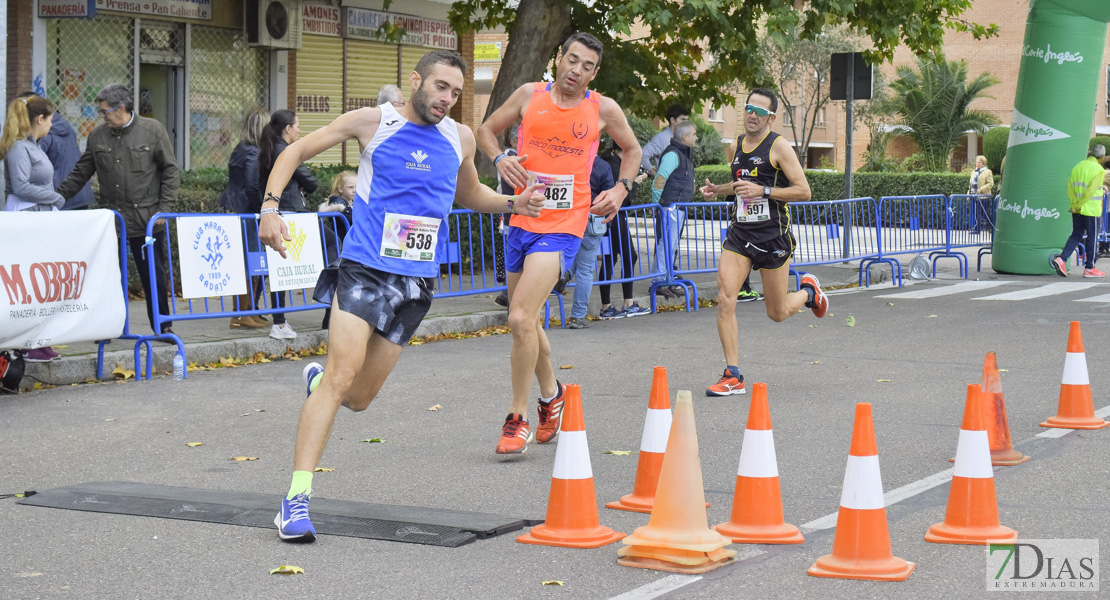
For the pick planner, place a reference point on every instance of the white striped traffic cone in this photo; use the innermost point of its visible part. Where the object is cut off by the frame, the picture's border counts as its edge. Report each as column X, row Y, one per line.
column 861, row 545
column 653, row 445
column 1077, row 407
column 972, row 514
column 757, row 502
column 572, row 519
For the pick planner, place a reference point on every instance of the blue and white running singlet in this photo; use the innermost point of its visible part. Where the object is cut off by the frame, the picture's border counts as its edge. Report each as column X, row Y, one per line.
column 407, row 177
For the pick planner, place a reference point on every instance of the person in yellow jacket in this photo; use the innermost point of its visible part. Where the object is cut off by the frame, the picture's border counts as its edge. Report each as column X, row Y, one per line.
column 1085, row 191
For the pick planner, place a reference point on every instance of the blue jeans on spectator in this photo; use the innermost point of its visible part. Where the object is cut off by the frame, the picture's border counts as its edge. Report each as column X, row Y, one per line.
column 585, row 265
column 1081, row 224
column 674, row 220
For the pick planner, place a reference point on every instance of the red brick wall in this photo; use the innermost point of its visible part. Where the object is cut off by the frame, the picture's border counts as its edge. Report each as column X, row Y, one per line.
column 20, row 19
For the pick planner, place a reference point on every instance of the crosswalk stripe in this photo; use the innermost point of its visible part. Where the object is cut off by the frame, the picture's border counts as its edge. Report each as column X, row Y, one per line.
column 1102, row 298
column 959, row 288
column 1042, row 291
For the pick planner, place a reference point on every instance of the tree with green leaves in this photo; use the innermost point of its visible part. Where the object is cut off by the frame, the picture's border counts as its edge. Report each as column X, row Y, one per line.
column 694, row 50
column 934, row 102
column 799, row 69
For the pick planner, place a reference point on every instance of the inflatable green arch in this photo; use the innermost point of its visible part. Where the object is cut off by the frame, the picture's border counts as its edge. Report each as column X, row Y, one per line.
column 1049, row 132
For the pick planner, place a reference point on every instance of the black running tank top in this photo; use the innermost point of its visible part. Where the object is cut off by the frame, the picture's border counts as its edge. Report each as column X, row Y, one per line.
column 760, row 218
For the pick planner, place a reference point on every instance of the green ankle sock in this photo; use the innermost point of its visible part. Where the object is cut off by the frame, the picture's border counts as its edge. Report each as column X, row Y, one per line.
column 302, row 484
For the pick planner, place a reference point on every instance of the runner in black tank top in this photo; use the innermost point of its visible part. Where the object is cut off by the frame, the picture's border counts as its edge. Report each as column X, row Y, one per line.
column 766, row 176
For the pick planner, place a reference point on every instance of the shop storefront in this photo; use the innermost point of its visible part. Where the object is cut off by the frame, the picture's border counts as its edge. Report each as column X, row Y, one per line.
column 343, row 62
column 188, row 62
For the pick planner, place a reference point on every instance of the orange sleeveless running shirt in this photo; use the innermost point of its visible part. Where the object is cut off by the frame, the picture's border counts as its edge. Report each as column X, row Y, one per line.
column 561, row 144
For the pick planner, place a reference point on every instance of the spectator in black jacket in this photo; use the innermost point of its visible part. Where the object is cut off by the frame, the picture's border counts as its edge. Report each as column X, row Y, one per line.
column 284, row 129
column 243, row 196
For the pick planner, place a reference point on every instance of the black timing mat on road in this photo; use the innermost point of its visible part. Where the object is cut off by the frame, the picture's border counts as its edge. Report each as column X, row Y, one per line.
column 431, row 526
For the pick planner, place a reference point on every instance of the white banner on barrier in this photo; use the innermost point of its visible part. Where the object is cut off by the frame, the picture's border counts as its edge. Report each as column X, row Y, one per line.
column 306, row 256
column 59, row 278
column 211, row 253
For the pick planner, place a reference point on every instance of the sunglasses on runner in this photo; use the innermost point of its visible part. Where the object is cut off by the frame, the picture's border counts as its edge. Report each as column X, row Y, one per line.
column 758, row 111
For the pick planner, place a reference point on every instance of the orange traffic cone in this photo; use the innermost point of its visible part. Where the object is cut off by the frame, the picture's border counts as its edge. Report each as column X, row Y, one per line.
column 677, row 537
column 861, row 546
column 1077, row 407
column 757, row 502
column 972, row 515
column 998, row 426
column 572, row 520
column 657, row 426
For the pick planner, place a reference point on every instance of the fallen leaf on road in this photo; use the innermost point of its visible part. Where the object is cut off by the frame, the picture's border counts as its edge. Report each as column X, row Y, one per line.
column 323, row 469
column 287, row 570
column 883, row 380
column 1003, row 370
column 194, row 444
column 890, row 304
column 228, row 362
column 565, row 367
column 619, row 452
column 374, row 441
column 816, row 362
column 553, row 582
column 122, row 373
column 41, row 386
column 243, row 458
column 109, row 419
column 931, row 317
column 851, row 321
column 435, row 408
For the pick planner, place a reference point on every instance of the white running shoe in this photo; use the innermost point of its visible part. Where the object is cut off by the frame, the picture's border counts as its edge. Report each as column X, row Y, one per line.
column 282, row 332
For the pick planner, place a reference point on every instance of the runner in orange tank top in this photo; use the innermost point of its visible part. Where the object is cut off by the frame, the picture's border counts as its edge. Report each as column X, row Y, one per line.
column 560, row 125
column 562, row 144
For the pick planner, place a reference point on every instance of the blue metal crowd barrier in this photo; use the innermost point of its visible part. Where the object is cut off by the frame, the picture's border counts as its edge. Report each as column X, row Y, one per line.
column 631, row 239
column 121, row 230
column 226, row 306
column 835, row 231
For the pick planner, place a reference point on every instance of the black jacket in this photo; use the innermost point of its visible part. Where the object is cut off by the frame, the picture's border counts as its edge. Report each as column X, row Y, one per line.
column 243, row 194
column 302, row 183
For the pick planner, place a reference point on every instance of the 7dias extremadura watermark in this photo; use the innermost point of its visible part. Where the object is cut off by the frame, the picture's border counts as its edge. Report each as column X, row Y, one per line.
column 1043, row 565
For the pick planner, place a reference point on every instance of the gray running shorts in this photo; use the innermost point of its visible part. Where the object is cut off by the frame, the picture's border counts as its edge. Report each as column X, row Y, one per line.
column 394, row 305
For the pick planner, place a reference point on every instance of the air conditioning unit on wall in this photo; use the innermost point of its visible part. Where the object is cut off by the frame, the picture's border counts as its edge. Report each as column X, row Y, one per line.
column 273, row 23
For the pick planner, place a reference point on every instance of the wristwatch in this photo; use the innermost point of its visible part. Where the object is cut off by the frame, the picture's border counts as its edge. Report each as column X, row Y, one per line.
column 627, row 184
column 767, row 191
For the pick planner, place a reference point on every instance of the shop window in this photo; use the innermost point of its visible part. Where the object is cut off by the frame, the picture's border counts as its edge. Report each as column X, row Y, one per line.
column 227, row 78
column 83, row 56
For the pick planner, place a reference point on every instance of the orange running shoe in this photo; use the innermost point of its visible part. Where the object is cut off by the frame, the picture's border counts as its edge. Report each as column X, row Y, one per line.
column 515, row 435
column 820, row 304
column 731, row 383
column 551, row 416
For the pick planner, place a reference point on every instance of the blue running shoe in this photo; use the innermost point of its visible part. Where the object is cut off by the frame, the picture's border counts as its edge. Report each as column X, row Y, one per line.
column 292, row 521
column 636, row 310
column 311, row 371
column 612, row 313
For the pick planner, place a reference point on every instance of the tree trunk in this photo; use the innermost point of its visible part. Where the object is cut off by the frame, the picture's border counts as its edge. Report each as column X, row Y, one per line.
column 526, row 57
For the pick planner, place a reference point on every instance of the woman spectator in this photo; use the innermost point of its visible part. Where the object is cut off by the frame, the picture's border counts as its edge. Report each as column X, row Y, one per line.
column 28, row 174
column 284, row 129
column 242, row 196
column 621, row 246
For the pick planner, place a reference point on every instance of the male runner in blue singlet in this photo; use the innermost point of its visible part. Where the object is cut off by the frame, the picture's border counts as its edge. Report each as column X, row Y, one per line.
column 413, row 164
column 766, row 175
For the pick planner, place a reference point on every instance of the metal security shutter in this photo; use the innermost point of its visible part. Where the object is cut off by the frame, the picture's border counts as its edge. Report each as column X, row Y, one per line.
column 83, row 56
column 410, row 55
column 370, row 65
column 320, row 88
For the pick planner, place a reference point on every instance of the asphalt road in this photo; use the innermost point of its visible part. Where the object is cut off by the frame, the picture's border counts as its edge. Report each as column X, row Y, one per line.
column 911, row 358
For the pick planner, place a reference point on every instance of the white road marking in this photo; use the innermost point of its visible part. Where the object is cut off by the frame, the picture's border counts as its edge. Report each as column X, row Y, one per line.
column 658, row 588
column 1057, row 432
column 1102, row 298
column 945, row 290
column 1051, row 289
column 892, row 497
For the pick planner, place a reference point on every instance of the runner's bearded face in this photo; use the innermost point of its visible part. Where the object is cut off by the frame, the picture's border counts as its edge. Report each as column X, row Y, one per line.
column 437, row 94
column 576, row 69
column 755, row 125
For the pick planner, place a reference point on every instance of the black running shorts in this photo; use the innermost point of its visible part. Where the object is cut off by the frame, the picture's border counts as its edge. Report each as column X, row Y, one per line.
column 394, row 305
column 771, row 254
